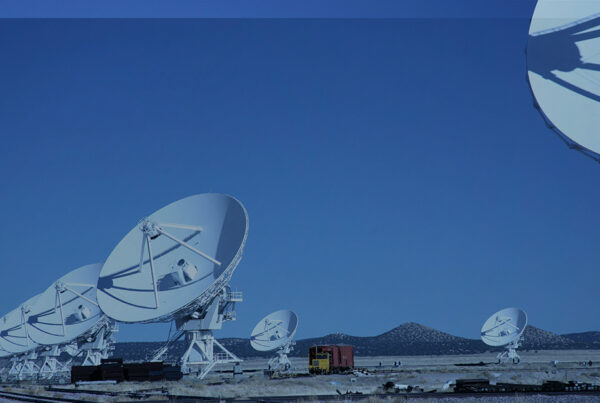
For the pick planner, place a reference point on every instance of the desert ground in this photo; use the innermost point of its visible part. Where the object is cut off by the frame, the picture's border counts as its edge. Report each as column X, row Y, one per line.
column 426, row 373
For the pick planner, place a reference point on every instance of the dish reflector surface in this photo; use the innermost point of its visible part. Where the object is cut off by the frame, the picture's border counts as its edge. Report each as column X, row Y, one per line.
column 504, row 327
column 195, row 245
column 274, row 330
column 563, row 63
column 70, row 300
column 3, row 352
column 13, row 331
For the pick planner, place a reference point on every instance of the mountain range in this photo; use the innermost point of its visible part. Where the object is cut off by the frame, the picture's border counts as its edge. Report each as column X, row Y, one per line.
column 406, row 339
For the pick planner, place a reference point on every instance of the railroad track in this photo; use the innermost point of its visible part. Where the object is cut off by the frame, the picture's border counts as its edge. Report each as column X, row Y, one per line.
column 367, row 397
column 293, row 399
column 137, row 396
column 92, row 395
column 26, row 397
column 383, row 397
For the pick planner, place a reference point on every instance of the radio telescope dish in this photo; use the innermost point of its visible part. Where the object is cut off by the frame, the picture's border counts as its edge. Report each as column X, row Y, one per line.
column 67, row 309
column 14, row 336
column 176, row 265
column 3, row 352
column 275, row 332
column 505, row 328
column 68, row 312
column 175, row 260
column 563, row 63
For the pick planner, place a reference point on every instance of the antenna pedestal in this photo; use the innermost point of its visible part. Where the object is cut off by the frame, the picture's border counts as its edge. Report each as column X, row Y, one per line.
column 510, row 353
column 24, row 367
column 201, row 355
column 29, row 370
column 15, row 367
column 51, row 364
column 100, row 345
column 281, row 362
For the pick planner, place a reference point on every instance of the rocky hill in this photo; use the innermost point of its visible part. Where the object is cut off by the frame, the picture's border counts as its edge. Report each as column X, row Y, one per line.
column 406, row 339
column 419, row 339
column 588, row 339
column 538, row 339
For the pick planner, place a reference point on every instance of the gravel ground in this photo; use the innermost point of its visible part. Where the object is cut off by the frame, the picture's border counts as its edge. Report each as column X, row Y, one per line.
column 425, row 372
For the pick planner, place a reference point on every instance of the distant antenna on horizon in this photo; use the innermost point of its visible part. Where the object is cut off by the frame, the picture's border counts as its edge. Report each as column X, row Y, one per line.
column 275, row 332
column 505, row 328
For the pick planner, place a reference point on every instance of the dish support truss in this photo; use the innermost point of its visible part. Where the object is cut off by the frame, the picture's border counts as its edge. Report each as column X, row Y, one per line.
column 281, row 362
column 511, row 352
column 51, row 366
column 23, row 366
column 204, row 351
column 99, row 344
column 94, row 346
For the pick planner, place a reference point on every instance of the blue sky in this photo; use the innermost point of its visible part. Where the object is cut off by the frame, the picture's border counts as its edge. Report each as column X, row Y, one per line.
column 393, row 170
column 267, row 9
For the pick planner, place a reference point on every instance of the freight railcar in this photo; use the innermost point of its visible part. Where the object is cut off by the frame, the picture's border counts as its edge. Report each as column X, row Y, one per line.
column 330, row 359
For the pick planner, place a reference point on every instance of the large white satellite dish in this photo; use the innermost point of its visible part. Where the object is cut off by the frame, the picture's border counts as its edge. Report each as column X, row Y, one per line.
column 3, row 352
column 67, row 309
column 563, row 63
column 176, row 265
column 275, row 332
column 68, row 312
column 14, row 338
column 505, row 328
